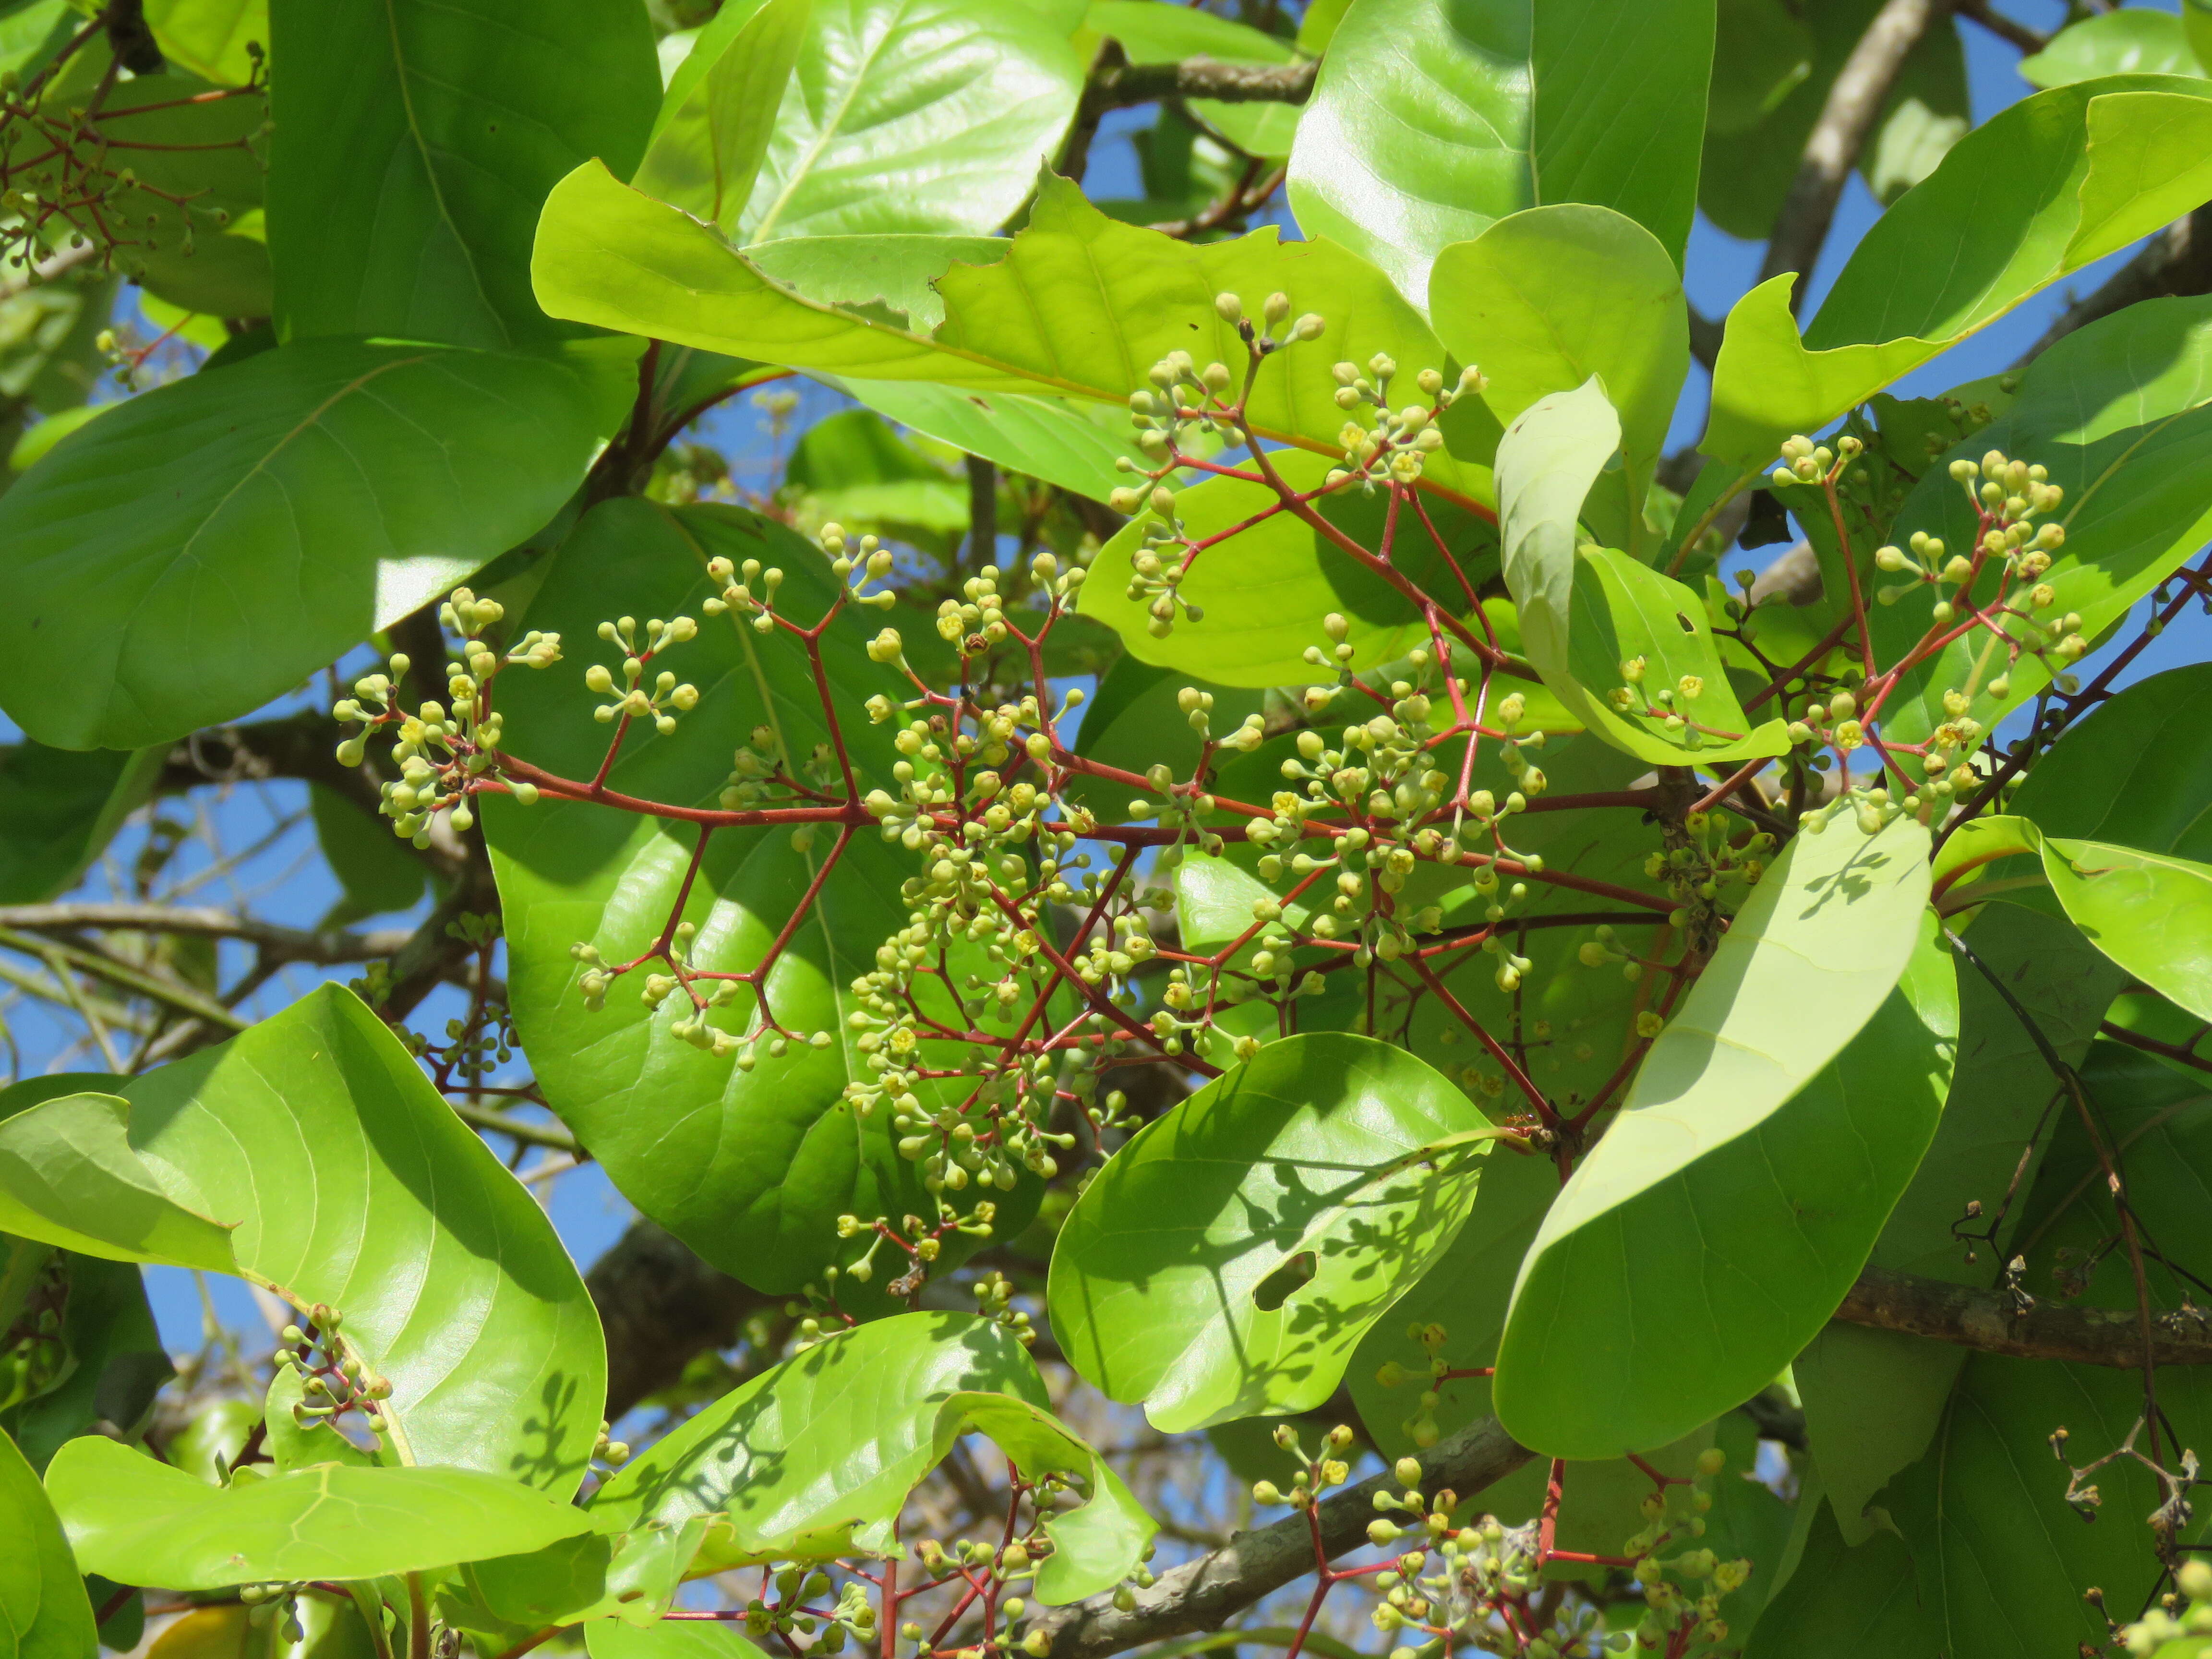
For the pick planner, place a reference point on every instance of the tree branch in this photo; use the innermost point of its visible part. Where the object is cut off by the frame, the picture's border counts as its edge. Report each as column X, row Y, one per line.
column 1118, row 85
column 291, row 944
column 2178, row 260
column 1205, row 1592
column 1846, row 121
column 1985, row 1321
column 662, row 1307
column 2017, row 34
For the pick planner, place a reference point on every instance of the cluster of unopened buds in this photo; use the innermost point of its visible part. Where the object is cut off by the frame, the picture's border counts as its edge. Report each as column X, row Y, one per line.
column 441, row 750
column 631, row 699
column 2180, row 1626
column 1392, row 449
column 333, row 1378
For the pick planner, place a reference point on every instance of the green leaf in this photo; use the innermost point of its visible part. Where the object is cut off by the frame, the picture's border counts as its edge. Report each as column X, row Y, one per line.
column 416, row 140
column 207, row 38
column 264, row 518
column 632, row 1576
column 1733, row 1199
column 365, row 1193
column 1844, row 1603
column 2137, row 770
column 2082, row 171
column 814, row 1458
column 1763, row 50
column 1585, row 617
column 1549, row 298
column 59, row 808
column 377, row 872
column 718, row 116
column 1744, row 181
column 139, row 1522
column 891, row 278
column 1429, row 120
column 672, row 1638
column 196, row 179
column 1263, row 592
column 117, row 1365
column 914, row 115
column 2151, row 913
column 2130, row 42
column 1120, row 300
column 43, row 1608
column 1228, row 1259
column 1872, row 1397
column 1073, row 445
column 2120, row 412
column 1152, row 32
column 749, row 1165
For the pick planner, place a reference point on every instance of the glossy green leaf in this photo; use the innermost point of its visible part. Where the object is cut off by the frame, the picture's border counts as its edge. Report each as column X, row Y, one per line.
column 416, row 142
column 262, row 520
column 2151, row 913
column 1429, row 121
column 814, row 1458
column 1161, row 32
column 632, row 1576
column 749, row 1165
column 377, row 872
column 1073, row 445
column 2120, row 412
column 1590, row 618
column 1177, row 1280
column 43, row 1614
column 209, row 38
column 914, row 115
column 2085, row 170
column 2135, row 771
column 1263, row 592
column 58, row 809
column 1733, row 1199
column 718, row 117
column 364, row 1192
column 117, row 1364
column 1872, row 1397
column 1747, row 169
column 1121, row 299
column 196, row 177
column 672, row 1638
column 889, row 277
column 2133, row 41
column 139, row 1522
column 1547, row 298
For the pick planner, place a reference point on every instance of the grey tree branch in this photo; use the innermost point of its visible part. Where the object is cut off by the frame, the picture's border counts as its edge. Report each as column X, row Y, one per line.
column 291, row 944
column 1985, row 1321
column 1205, row 1593
column 662, row 1306
column 2176, row 261
column 1846, row 121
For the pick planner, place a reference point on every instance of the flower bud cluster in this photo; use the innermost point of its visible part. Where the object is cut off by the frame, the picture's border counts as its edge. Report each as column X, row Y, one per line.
column 668, row 697
column 334, row 1378
column 1385, row 446
column 443, row 753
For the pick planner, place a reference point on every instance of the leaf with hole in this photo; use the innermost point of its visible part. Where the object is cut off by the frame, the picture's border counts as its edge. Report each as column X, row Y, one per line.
column 1228, row 1259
